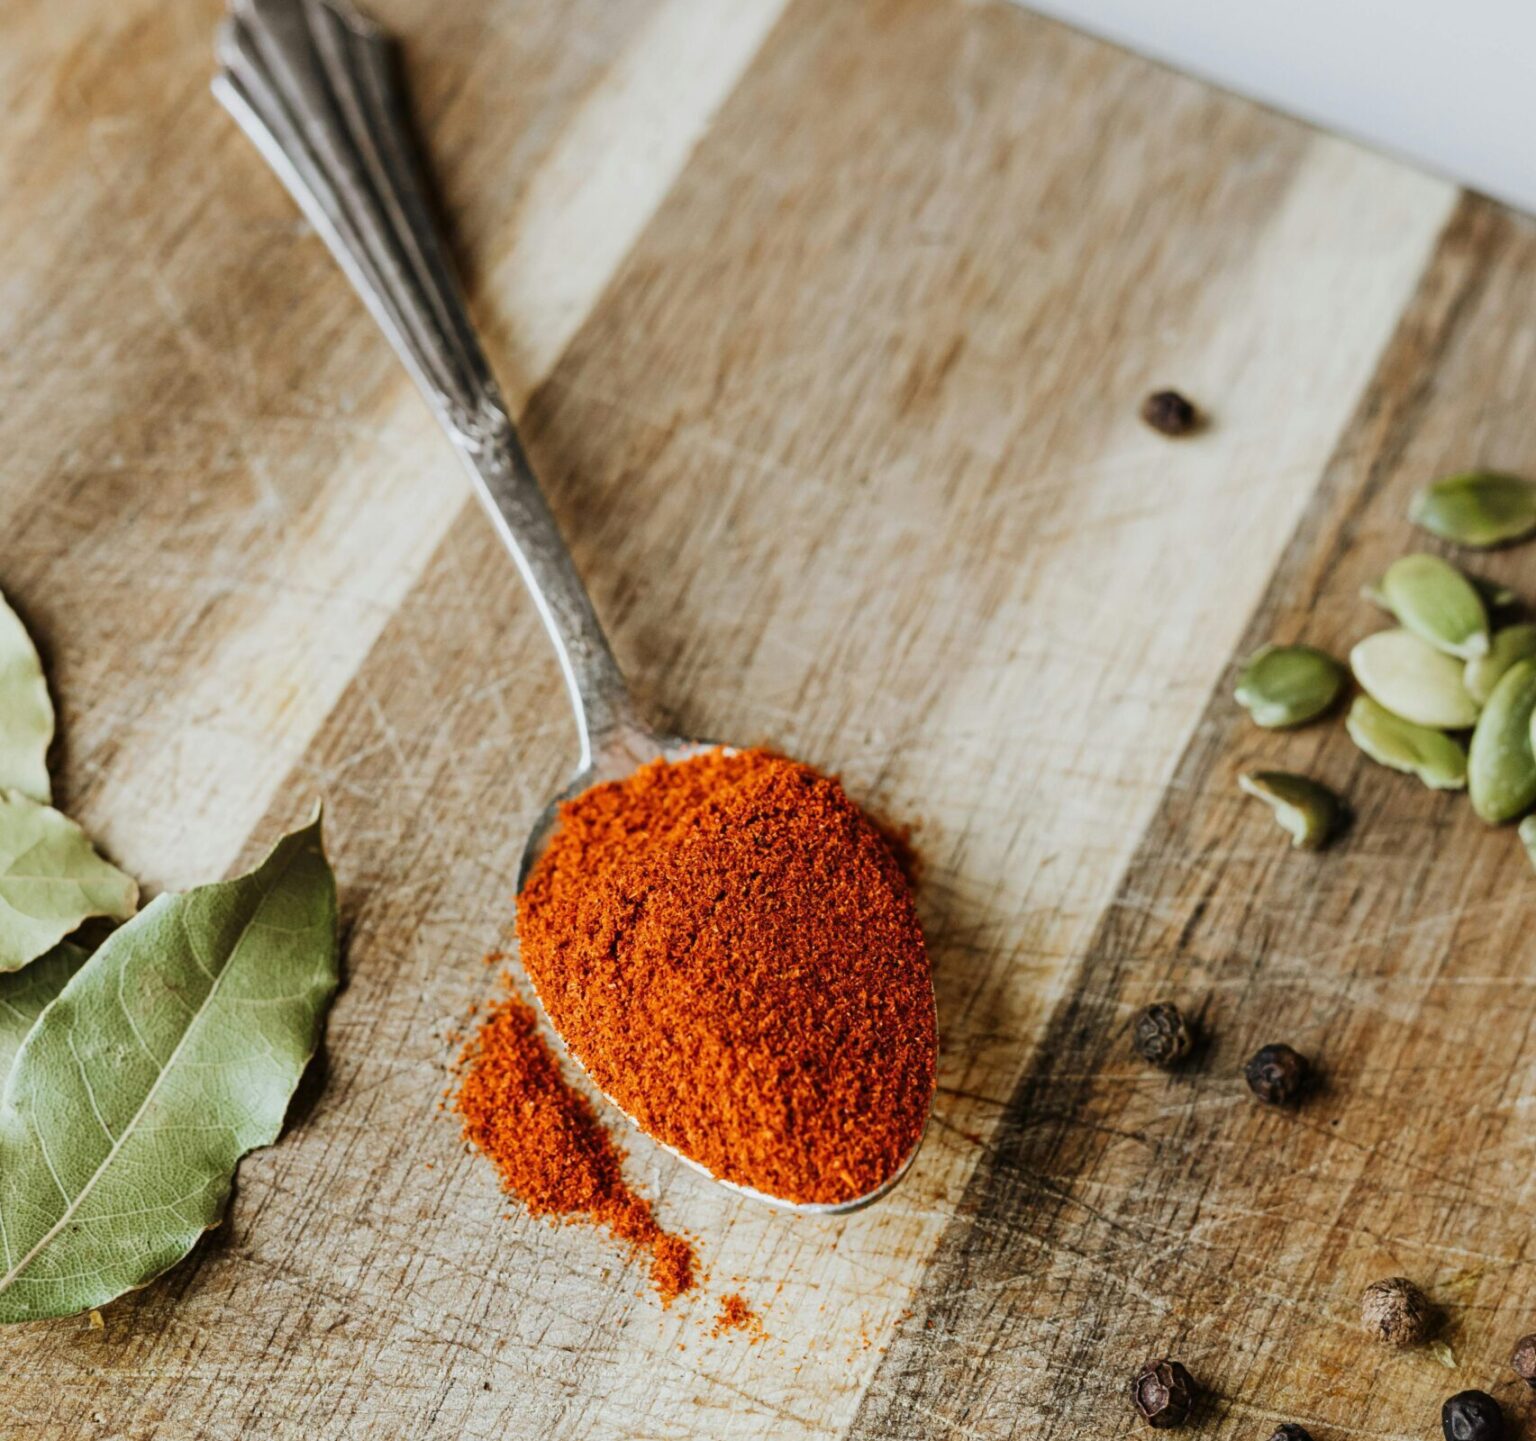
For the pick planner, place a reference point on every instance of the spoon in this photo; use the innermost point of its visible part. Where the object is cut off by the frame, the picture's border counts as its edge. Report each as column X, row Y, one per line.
column 313, row 84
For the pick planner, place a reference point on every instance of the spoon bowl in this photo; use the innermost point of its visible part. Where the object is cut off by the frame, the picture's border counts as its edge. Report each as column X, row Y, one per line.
column 314, row 84
column 620, row 754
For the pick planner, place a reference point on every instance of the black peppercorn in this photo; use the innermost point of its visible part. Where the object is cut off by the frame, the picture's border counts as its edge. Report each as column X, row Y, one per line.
column 1162, row 1036
column 1163, row 1392
column 1472, row 1416
column 1395, row 1312
column 1522, row 1359
column 1277, row 1075
column 1169, row 413
column 1291, row 1432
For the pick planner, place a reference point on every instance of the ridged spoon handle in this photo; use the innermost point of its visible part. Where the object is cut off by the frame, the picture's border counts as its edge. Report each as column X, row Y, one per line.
column 313, row 83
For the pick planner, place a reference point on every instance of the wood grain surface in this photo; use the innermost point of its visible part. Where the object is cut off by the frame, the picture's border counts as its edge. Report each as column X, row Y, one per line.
column 832, row 323
column 1158, row 1215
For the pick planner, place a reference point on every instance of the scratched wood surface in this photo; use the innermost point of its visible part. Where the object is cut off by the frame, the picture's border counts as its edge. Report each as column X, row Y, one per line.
column 831, row 322
column 1121, row 1212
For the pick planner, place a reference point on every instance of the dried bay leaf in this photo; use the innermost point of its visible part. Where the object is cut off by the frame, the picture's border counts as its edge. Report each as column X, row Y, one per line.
column 24, row 994
column 50, row 880
column 26, row 712
column 167, row 1057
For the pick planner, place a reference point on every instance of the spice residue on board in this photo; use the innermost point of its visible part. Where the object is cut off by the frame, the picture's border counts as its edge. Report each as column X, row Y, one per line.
column 736, row 1315
column 730, row 948
column 548, row 1146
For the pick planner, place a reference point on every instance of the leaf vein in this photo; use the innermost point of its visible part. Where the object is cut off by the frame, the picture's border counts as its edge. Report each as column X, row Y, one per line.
column 42, row 1146
column 73, row 1204
column 90, row 1090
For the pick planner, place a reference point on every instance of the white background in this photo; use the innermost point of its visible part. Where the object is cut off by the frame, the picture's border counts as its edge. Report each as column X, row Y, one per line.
column 1449, row 85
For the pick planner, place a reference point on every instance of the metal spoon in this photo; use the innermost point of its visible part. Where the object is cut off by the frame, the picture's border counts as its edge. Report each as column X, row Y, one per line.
column 313, row 83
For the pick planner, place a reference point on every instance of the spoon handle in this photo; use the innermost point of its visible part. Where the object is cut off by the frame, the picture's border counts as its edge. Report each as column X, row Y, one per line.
column 313, row 83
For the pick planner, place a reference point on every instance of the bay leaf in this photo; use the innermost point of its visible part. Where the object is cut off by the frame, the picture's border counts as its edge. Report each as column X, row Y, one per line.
column 50, row 880
column 167, row 1057
column 26, row 712
column 24, row 994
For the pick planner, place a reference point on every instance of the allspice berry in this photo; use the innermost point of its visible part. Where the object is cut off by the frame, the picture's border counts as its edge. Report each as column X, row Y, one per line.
column 1522, row 1359
column 1291, row 1432
column 1277, row 1075
column 1472, row 1416
column 1395, row 1312
column 1170, row 413
column 1163, row 1392
column 1162, row 1036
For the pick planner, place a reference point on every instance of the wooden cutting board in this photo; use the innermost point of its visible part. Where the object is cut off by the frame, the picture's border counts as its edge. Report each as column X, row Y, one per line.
column 830, row 324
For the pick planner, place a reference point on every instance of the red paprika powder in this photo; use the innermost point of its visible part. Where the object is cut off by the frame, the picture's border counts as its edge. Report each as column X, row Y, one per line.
column 729, row 947
column 548, row 1146
column 736, row 1315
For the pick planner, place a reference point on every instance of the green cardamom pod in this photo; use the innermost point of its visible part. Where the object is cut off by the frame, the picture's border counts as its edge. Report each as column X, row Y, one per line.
column 1528, row 837
column 1514, row 642
column 1480, row 508
column 1501, row 767
column 1287, row 685
column 1438, row 604
column 1306, row 808
column 1412, row 679
column 1437, row 759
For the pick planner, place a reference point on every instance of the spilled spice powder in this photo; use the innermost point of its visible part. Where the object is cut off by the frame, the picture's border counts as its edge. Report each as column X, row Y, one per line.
column 736, row 1315
column 729, row 946
column 548, row 1146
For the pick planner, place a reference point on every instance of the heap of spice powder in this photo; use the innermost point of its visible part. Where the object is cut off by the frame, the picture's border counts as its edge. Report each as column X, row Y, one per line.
column 548, row 1146
column 736, row 1315
column 729, row 946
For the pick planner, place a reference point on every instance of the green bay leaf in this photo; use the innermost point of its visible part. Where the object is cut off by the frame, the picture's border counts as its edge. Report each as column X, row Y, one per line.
column 50, row 880
column 167, row 1057
column 26, row 712
column 24, row 994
